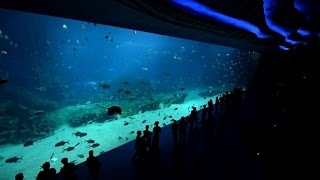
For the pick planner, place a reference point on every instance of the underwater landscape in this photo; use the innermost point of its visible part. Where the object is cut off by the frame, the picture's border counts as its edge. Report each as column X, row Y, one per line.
column 70, row 86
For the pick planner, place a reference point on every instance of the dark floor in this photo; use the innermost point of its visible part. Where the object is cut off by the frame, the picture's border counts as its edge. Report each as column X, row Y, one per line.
column 209, row 153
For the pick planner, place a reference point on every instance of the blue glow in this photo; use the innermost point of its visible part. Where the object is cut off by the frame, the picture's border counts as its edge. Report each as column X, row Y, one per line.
column 293, row 42
column 304, row 32
column 204, row 10
column 284, row 48
column 270, row 8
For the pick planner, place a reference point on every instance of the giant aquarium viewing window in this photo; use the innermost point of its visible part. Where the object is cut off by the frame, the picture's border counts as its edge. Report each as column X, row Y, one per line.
column 69, row 86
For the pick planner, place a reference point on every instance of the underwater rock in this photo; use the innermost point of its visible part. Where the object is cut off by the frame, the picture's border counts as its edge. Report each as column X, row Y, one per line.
column 207, row 93
column 150, row 106
column 88, row 119
column 177, row 99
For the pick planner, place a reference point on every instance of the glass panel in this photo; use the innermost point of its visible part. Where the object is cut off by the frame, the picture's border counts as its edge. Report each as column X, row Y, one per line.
column 63, row 82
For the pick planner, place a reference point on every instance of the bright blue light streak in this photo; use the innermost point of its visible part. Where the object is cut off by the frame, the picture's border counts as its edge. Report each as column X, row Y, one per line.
column 284, row 48
column 202, row 9
column 293, row 42
column 304, row 32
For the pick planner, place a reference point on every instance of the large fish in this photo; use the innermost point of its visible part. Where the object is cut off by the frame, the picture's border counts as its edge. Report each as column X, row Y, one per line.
column 3, row 81
column 112, row 110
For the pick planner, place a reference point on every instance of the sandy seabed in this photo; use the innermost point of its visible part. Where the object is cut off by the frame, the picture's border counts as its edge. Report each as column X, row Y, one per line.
column 106, row 134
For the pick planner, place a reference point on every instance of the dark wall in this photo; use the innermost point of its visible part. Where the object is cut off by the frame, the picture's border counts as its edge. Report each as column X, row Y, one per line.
column 278, row 110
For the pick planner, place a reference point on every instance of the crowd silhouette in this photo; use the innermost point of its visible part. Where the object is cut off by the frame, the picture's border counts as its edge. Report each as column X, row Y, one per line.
column 147, row 142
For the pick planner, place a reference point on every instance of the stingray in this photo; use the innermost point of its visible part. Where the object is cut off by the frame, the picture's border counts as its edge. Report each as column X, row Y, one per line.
column 112, row 110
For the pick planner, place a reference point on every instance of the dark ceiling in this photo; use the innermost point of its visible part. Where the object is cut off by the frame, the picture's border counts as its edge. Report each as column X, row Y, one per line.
column 247, row 24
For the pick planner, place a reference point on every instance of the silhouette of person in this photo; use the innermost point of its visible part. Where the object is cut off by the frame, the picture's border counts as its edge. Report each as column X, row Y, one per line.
column 204, row 113
column 19, row 176
column 183, row 130
column 147, row 138
column 47, row 173
column 93, row 165
column 210, row 106
column 68, row 170
column 175, row 128
column 216, row 104
column 193, row 118
column 139, row 145
column 156, row 135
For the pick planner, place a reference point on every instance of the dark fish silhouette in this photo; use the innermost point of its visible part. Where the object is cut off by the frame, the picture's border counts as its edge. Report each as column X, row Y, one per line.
column 70, row 148
column 126, row 123
column 29, row 143
column 80, row 134
column 144, row 121
column 90, row 141
column 94, row 145
column 132, row 132
column 104, row 85
column 61, row 143
column 175, row 109
column 14, row 159
column 3, row 81
column 112, row 110
column 80, row 155
column 181, row 89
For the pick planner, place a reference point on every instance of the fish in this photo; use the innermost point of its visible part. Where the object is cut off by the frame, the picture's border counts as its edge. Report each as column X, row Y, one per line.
column 54, row 159
column 29, row 143
column 64, row 27
column 144, row 121
column 61, row 143
column 82, row 26
column 112, row 110
column 80, row 134
column 80, row 155
column 104, row 85
column 145, row 69
column 175, row 109
column 126, row 123
column 90, row 141
column 132, row 132
column 14, row 159
column 70, row 148
column 3, row 81
column 37, row 112
column 94, row 145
